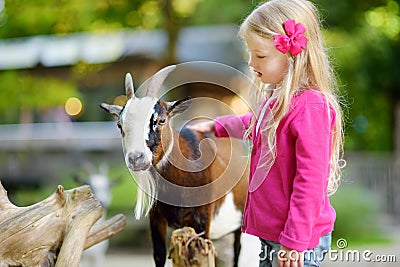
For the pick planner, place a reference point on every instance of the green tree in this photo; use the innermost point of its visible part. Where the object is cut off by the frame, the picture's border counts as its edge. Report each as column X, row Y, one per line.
column 363, row 36
column 37, row 17
column 22, row 94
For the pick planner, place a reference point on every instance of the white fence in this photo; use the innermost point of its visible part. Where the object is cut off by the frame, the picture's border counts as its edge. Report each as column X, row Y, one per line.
column 31, row 154
column 380, row 173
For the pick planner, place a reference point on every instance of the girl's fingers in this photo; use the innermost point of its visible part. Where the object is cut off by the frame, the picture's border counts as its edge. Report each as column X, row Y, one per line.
column 203, row 127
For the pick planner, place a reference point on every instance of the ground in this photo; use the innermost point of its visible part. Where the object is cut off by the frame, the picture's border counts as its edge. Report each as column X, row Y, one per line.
column 347, row 257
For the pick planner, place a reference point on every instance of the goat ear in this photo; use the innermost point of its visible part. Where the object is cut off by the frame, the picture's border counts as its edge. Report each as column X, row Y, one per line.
column 179, row 106
column 112, row 109
column 129, row 89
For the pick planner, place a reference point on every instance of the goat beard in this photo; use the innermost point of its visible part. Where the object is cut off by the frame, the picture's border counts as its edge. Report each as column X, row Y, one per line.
column 146, row 192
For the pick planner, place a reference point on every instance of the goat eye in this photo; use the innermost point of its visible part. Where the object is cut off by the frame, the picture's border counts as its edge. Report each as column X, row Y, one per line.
column 162, row 121
column 119, row 125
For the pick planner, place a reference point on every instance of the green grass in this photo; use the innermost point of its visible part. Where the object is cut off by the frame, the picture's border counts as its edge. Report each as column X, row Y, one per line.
column 359, row 217
column 124, row 192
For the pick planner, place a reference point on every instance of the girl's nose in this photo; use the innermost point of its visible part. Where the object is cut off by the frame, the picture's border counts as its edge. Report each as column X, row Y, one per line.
column 251, row 63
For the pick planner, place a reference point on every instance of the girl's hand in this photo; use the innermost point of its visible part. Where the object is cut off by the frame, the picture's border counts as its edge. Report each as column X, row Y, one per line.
column 203, row 127
column 290, row 258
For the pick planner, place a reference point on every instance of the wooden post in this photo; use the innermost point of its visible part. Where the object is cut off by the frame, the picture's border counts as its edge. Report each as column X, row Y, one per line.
column 55, row 231
column 188, row 249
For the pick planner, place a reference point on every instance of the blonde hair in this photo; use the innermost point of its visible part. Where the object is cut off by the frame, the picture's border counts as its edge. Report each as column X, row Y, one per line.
column 309, row 69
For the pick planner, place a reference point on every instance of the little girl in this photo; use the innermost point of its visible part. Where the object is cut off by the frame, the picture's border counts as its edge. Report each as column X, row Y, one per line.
column 296, row 133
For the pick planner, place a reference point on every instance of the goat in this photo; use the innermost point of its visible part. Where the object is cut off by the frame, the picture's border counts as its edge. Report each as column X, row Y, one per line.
column 180, row 181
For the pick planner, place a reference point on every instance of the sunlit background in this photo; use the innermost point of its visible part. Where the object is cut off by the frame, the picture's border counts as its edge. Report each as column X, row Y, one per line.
column 60, row 59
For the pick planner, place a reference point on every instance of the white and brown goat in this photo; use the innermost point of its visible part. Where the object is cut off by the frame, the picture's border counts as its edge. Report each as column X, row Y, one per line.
column 152, row 152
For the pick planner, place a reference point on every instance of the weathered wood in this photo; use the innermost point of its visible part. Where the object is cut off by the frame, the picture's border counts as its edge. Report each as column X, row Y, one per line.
column 188, row 249
column 103, row 230
column 55, row 231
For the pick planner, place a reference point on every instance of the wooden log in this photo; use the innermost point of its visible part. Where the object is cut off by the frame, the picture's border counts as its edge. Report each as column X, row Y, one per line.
column 105, row 229
column 188, row 249
column 53, row 232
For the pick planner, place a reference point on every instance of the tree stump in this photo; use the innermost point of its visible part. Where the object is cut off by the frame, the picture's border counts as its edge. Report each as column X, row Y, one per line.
column 55, row 231
column 188, row 249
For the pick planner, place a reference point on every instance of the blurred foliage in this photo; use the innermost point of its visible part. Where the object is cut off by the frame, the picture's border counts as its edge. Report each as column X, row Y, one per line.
column 359, row 219
column 20, row 17
column 363, row 36
column 28, row 93
column 123, row 192
column 365, row 47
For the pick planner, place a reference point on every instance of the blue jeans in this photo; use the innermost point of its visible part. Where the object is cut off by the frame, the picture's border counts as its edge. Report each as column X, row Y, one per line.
column 312, row 257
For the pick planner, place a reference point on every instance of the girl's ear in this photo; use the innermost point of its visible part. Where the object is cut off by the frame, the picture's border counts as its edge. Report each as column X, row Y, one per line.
column 112, row 109
column 179, row 106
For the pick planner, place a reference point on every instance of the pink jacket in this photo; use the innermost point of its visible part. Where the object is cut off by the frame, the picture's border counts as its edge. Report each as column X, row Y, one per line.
column 291, row 204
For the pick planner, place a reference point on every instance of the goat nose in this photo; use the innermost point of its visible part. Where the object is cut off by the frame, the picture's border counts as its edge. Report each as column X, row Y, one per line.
column 137, row 160
column 135, row 157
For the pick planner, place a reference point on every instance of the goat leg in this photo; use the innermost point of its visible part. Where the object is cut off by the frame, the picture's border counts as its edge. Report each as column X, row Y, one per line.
column 158, row 227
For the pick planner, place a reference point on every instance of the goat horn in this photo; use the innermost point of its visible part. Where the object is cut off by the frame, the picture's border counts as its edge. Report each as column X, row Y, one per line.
column 152, row 86
column 129, row 91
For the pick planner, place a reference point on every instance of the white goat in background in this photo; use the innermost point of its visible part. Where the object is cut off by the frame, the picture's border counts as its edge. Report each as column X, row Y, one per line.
column 101, row 185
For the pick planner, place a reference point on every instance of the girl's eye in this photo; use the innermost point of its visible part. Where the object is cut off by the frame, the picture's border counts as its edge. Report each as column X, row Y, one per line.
column 258, row 56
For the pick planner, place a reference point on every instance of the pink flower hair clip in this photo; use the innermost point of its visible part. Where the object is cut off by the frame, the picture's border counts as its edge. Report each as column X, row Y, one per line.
column 294, row 40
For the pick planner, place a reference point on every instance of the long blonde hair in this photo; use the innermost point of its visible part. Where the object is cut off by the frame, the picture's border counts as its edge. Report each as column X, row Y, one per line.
column 310, row 68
